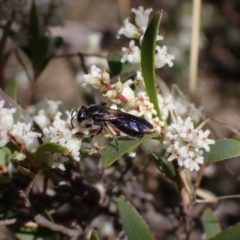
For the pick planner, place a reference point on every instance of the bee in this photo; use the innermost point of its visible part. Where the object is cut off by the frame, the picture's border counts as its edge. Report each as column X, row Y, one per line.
column 98, row 115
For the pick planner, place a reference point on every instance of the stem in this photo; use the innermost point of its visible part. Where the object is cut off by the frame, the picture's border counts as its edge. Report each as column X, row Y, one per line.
column 30, row 93
column 194, row 46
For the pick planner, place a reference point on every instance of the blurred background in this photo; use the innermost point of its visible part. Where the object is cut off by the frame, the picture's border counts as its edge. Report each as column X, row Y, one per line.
column 91, row 27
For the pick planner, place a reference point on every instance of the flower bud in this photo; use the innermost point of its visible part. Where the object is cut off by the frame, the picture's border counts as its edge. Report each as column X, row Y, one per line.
column 119, row 86
column 110, row 94
column 94, row 82
column 106, row 77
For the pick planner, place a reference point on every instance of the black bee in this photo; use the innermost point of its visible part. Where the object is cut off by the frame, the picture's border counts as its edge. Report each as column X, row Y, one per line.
column 101, row 116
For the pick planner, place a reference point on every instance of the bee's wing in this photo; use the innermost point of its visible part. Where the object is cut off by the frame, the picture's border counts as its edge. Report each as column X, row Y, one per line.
column 127, row 123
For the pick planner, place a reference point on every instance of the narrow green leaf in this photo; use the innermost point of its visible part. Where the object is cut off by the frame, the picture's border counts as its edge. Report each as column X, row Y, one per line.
column 167, row 169
column 229, row 234
column 94, row 236
column 26, row 172
column 111, row 154
column 44, row 149
column 39, row 52
column 11, row 90
column 147, row 60
column 5, row 35
column 210, row 224
column 221, row 150
column 134, row 225
column 116, row 66
column 34, row 27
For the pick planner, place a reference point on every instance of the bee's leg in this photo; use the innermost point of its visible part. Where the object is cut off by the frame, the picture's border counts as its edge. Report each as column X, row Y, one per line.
column 114, row 137
column 97, row 132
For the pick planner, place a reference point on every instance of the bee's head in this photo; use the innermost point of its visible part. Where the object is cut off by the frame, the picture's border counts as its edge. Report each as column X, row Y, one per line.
column 82, row 114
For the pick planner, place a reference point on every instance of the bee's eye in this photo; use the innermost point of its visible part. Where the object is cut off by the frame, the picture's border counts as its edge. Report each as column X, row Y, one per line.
column 81, row 116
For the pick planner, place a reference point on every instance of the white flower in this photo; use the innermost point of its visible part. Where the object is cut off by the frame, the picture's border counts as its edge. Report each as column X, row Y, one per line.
column 93, row 78
column 145, row 107
column 56, row 160
column 139, row 82
column 166, row 105
column 193, row 160
column 142, row 16
column 4, row 139
column 203, row 141
column 128, row 30
column 131, row 54
column 52, row 107
column 6, row 123
column 185, row 143
column 157, row 124
column 162, row 57
column 58, row 132
column 73, row 145
column 42, row 119
column 31, row 142
column 127, row 92
column 6, row 116
column 23, row 135
column 97, row 145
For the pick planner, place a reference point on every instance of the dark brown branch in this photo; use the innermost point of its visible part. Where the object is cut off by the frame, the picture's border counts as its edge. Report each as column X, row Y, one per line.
column 42, row 221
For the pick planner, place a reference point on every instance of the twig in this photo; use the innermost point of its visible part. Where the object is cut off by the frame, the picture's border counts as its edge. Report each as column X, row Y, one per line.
column 217, row 199
column 199, row 177
column 25, row 194
column 8, row 221
column 42, row 221
column 30, row 93
column 82, row 62
column 69, row 55
column 194, row 46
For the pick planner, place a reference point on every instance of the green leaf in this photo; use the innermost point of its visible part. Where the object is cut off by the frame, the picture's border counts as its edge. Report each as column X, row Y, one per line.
column 44, row 149
column 229, row 234
column 221, row 150
column 11, row 90
column 34, row 27
column 18, row 113
column 94, row 236
column 134, row 225
column 9, row 151
column 26, row 172
column 210, row 224
column 167, row 169
column 40, row 233
column 116, row 66
column 111, row 154
column 147, row 60
column 39, row 52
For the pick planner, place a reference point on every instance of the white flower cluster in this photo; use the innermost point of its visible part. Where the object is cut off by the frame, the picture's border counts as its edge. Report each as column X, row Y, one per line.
column 129, row 30
column 19, row 132
column 54, row 129
column 185, row 143
column 48, row 109
column 61, row 132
